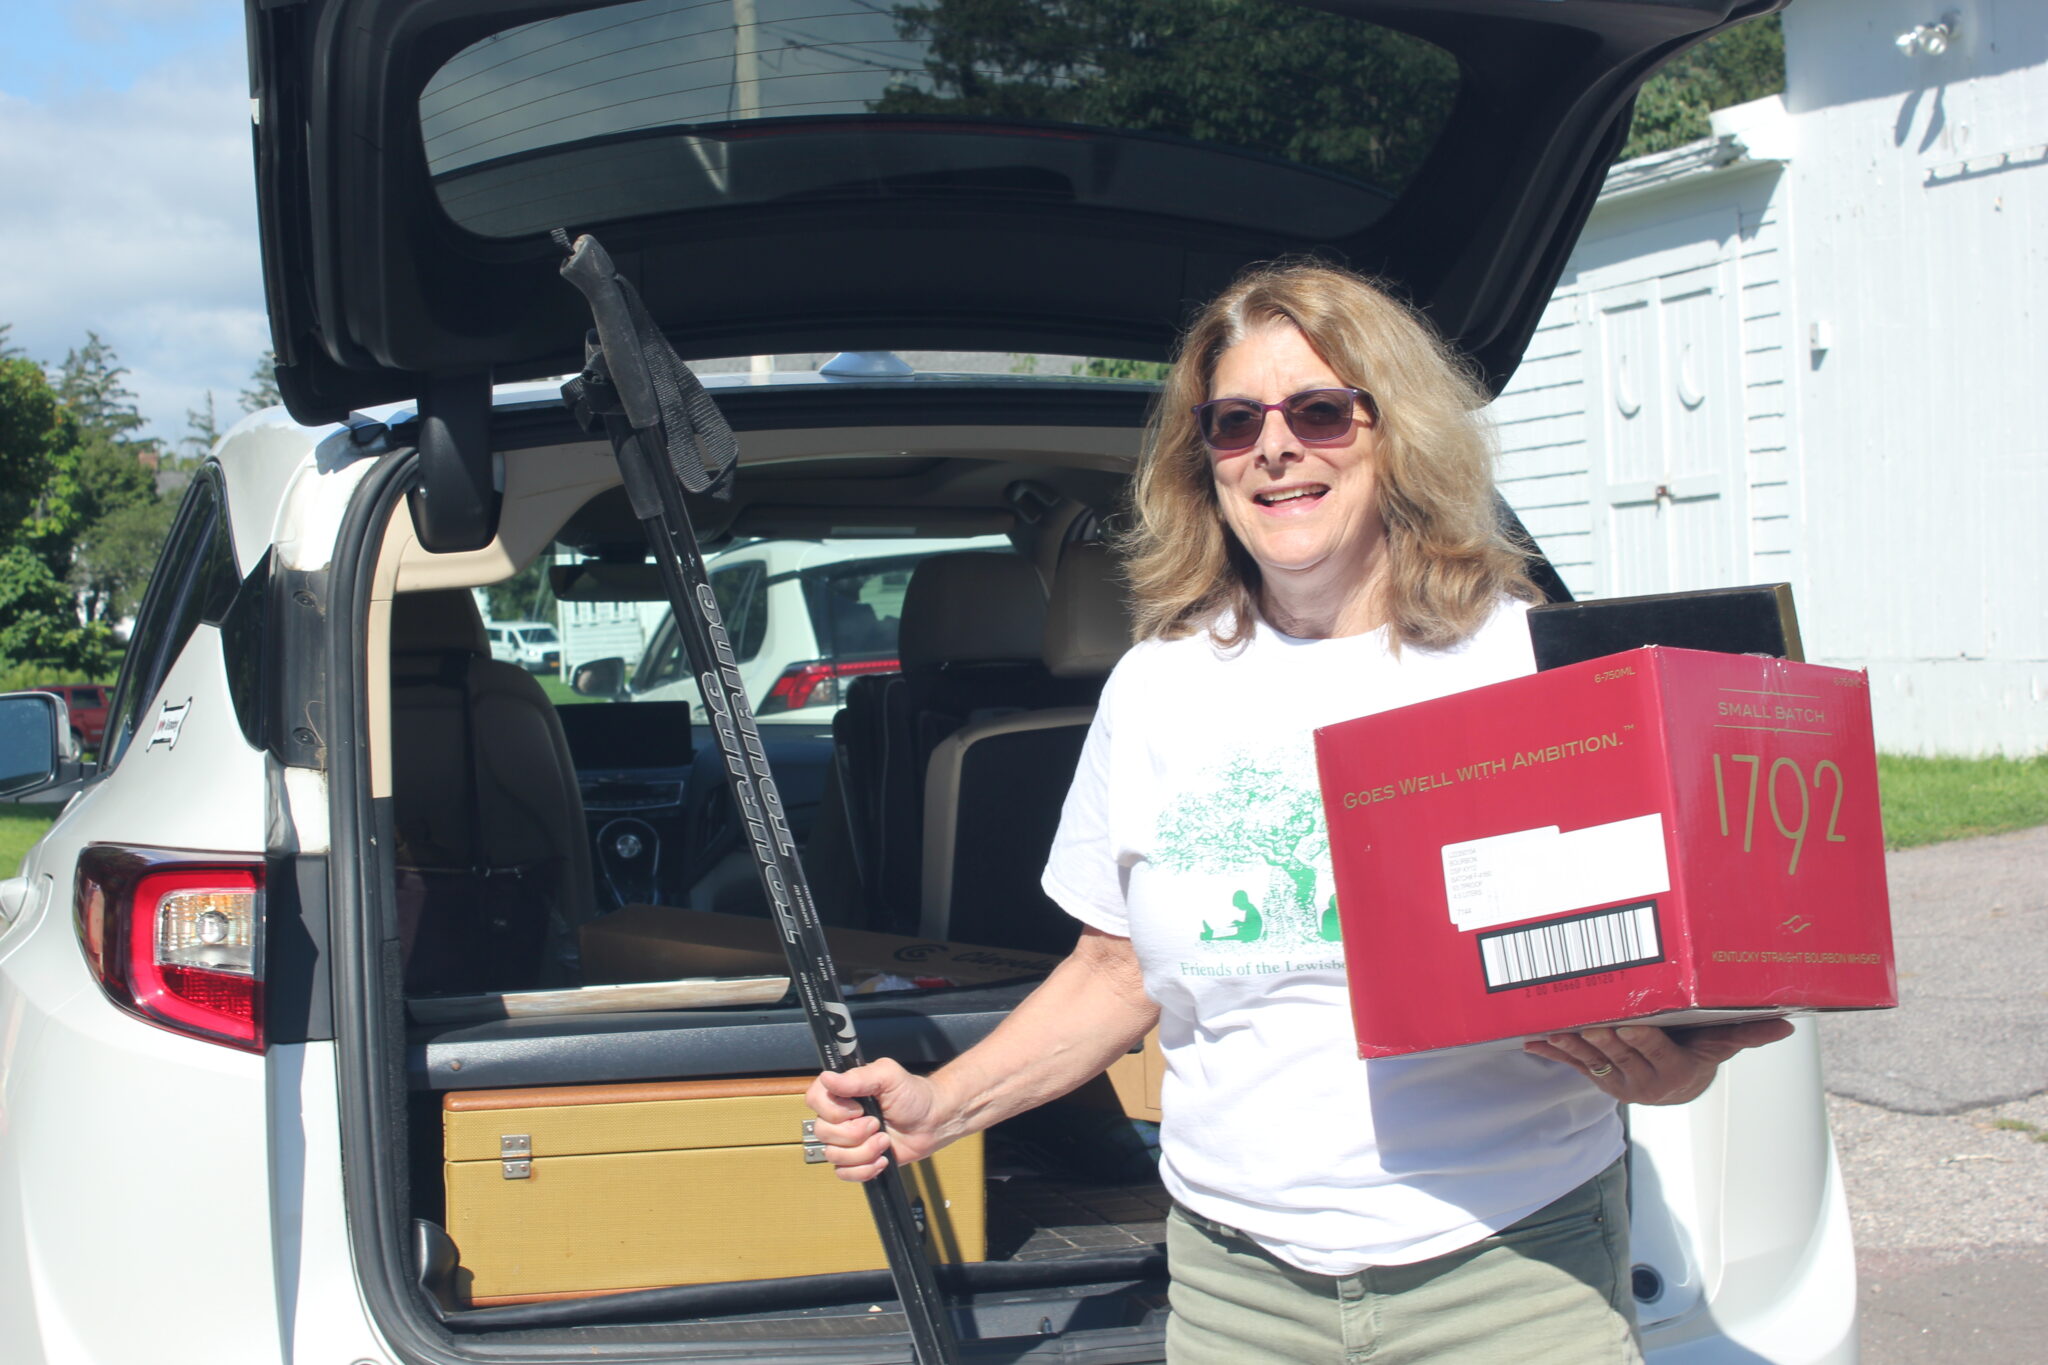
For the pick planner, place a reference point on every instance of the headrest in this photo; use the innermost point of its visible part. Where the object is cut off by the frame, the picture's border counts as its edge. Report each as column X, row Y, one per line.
column 1088, row 621
column 438, row 621
column 973, row 607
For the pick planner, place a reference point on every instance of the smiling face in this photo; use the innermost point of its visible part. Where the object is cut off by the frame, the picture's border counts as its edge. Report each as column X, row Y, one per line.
column 1305, row 511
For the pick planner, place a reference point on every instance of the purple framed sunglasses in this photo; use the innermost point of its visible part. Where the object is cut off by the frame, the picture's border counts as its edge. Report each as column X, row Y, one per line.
column 1317, row 415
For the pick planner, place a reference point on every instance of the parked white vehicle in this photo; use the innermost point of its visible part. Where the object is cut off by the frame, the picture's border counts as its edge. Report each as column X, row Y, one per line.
column 806, row 617
column 331, row 847
column 533, row 645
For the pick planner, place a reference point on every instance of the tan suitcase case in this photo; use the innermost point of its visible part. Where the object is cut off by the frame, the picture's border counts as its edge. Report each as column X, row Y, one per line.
column 576, row 1190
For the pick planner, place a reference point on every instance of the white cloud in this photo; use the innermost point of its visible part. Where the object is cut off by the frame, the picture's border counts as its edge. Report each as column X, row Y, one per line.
column 113, row 21
column 132, row 213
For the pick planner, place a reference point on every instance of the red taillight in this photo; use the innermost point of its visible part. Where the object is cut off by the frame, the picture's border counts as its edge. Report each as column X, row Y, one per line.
column 799, row 686
column 816, row 683
column 176, row 940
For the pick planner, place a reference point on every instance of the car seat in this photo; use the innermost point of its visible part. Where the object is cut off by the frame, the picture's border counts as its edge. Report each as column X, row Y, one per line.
column 970, row 636
column 994, row 788
column 492, row 854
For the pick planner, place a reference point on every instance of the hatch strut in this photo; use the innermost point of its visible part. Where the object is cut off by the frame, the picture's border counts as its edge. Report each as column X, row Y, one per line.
column 669, row 436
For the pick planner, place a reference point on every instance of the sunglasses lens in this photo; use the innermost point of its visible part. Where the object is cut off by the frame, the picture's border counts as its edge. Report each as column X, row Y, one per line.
column 1313, row 415
column 1231, row 425
column 1320, row 415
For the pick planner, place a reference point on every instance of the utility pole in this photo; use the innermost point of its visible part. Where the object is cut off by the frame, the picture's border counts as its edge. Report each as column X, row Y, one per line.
column 746, row 87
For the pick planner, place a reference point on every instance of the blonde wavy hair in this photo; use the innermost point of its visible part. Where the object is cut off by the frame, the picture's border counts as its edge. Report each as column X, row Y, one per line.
column 1447, row 561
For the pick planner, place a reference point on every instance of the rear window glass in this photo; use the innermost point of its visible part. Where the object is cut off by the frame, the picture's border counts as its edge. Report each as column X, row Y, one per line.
column 1220, row 110
column 742, row 605
column 856, row 609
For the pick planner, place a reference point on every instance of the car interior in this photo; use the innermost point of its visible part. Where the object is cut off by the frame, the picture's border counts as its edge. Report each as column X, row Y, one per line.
column 924, row 808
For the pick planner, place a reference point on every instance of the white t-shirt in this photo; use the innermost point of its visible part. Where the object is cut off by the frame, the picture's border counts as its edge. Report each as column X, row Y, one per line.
column 1195, row 829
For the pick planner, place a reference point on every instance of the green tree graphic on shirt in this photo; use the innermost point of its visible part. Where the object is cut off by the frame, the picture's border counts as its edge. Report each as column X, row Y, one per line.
column 1253, row 818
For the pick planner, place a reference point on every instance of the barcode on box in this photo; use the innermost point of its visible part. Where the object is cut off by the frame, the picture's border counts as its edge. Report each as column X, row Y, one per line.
column 1578, row 945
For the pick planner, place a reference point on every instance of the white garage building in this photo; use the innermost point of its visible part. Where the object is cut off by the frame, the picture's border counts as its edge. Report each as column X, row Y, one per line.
column 1811, row 348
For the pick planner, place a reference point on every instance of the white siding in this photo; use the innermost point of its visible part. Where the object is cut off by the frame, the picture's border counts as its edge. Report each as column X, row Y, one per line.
column 1542, row 423
column 1921, row 237
column 1861, row 313
column 601, row 630
column 1643, row 439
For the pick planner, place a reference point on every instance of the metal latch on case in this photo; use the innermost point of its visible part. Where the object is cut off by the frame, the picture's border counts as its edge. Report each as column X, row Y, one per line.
column 515, row 1153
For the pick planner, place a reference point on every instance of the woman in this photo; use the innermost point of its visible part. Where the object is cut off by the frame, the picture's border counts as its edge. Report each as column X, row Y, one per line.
column 1315, row 540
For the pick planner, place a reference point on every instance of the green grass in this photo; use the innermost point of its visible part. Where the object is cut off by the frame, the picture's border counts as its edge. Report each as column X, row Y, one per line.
column 1926, row 800
column 2021, row 1126
column 20, row 826
column 559, row 692
column 1934, row 800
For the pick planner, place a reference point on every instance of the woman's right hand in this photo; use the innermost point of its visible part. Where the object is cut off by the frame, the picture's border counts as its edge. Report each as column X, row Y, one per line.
column 1089, row 1012
column 854, row 1142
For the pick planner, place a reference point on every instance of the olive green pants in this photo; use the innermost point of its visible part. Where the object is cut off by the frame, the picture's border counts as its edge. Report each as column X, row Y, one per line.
column 1552, row 1289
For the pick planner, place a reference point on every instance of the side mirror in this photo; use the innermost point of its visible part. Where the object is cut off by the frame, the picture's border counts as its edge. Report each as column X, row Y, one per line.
column 600, row 678
column 34, row 734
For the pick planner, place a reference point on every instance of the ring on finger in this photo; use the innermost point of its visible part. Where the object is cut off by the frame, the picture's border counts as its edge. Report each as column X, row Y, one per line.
column 1605, row 1068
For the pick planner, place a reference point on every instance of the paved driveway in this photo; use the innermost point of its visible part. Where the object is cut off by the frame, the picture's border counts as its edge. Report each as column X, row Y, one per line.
column 1941, row 1110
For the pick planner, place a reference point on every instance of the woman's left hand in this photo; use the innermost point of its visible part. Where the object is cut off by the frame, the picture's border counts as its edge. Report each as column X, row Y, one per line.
column 1638, row 1064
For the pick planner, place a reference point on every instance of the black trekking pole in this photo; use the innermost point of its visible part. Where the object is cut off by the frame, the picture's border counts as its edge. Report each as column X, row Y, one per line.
column 669, row 436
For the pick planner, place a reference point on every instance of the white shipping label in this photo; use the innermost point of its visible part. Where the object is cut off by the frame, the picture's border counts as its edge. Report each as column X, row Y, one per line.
column 1532, row 873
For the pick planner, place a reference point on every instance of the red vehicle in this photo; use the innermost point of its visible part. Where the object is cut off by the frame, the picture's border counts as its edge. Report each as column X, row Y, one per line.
column 88, row 704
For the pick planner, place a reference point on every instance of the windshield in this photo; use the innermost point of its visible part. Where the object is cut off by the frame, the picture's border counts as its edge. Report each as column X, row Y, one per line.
column 666, row 105
column 804, row 617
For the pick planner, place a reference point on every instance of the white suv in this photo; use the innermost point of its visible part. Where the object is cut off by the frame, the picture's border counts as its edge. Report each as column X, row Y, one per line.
column 336, row 881
column 806, row 617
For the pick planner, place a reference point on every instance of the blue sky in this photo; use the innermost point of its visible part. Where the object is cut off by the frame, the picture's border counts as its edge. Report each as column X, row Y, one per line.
column 128, row 207
column 72, row 48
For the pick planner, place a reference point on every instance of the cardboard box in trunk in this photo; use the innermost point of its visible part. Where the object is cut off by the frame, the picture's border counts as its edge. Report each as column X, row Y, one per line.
column 1662, row 835
column 661, row 942
column 577, row 1190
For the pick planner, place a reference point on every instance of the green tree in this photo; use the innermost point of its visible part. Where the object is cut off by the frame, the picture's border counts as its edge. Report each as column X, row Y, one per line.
column 1102, row 368
column 103, row 494
column 89, row 382
column 110, row 496
column 39, row 623
column 41, row 628
column 525, row 596
column 115, row 555
column 1254, row 817
column 202, row 432
column 35, row 431
column 262, row 391
column 1744, row 63
column 8, row 350
column 1307, row 87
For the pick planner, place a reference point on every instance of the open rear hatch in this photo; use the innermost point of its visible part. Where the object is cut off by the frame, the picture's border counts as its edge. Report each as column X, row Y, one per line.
column 950, row 175
column 780, row 176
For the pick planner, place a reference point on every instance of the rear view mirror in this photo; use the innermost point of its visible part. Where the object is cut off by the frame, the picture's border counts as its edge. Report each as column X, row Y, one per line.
column 599, row 678
column 33, row 733
column 455, row 501
column 598, row 581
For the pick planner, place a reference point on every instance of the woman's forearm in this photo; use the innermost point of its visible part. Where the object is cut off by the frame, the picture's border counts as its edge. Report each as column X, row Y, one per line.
column 1090, row 1011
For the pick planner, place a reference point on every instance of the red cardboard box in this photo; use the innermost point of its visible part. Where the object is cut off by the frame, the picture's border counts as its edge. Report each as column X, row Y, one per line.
column 1664, row 836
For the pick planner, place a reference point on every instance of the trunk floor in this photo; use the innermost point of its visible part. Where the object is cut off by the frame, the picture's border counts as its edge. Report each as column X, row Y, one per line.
column 1043, row 1219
